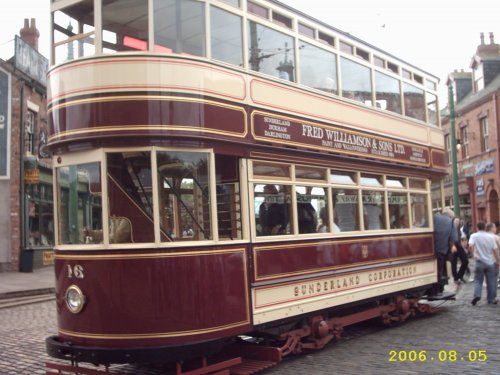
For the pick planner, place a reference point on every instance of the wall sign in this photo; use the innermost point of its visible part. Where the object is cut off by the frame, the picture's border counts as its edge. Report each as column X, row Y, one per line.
column 5, row 95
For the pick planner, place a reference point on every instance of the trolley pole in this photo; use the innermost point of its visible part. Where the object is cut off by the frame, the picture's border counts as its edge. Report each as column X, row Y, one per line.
column 453, row 152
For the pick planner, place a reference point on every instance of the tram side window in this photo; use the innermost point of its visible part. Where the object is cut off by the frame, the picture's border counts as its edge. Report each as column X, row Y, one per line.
column 228, row 197
column 398, row 209
column 311, row 201
column 346, row 211
column 419, row 210
column 272, row 205
column 79, row 202
column 373, row 209
column 184, row 193
column 130, row 197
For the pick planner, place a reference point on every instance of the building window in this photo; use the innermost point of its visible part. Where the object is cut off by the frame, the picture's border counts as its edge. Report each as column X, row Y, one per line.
column 30, row 131
column 465, row 142
column 484, row 134
column 478, row 78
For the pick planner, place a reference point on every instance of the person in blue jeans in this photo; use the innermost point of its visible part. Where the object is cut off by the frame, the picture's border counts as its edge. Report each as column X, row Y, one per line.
column 484, row 248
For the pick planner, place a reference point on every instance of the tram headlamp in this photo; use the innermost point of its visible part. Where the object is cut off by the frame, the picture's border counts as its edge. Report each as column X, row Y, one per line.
column 75, row 299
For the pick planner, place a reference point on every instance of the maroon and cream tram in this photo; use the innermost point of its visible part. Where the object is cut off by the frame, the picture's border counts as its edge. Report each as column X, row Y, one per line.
column 231, row 167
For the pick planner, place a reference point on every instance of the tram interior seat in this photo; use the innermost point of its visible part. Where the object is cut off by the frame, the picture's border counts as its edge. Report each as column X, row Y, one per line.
column 120, row 231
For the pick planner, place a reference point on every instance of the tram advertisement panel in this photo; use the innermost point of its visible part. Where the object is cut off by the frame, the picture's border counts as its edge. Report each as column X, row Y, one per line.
column 267, row 127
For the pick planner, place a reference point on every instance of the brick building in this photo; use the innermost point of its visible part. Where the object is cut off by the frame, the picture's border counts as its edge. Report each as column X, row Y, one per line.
column 26, row 233
column 477, row 125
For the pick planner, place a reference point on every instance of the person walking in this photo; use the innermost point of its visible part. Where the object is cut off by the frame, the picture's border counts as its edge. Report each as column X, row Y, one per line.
column 484, row 248
column 492, row 229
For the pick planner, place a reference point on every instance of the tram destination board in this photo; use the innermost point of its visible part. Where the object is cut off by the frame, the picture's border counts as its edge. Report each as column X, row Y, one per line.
column 268, row 127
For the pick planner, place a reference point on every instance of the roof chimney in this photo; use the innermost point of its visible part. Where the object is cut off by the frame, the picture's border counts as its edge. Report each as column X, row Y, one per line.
column 492, row 38
column 29, row 33
column 480, row 35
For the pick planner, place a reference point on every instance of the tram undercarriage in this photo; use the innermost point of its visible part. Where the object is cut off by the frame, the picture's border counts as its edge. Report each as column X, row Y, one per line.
column 246, row 355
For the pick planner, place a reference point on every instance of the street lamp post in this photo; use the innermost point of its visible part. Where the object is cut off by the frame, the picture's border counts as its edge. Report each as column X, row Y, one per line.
column 453, row 152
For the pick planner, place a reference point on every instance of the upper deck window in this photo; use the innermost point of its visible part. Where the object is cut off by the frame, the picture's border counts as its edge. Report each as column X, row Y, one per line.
column 414, row 102
column 406, row 74
column 325, row 38
column 74, row 31
column 271, row 52
column 258, row 10
column 226, row 36
column 387, row 92
column 393, row 67
column 126, row 24
column 180, row 26
column 318, row 68
column 235, row 3
column 282, row 20
column 432, row 108
column 430, row 84
column 356, row 82
column 377, row 61
column 362, row 54
column 347, row 48
column 306, row 30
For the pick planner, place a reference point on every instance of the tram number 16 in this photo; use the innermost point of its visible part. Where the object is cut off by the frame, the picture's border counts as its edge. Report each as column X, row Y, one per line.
column 75, row 271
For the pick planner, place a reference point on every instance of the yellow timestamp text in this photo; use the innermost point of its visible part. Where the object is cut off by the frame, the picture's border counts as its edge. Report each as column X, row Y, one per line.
column 439, row 356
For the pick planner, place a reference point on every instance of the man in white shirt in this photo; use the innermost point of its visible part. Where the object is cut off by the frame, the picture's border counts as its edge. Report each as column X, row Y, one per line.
column 484, row 248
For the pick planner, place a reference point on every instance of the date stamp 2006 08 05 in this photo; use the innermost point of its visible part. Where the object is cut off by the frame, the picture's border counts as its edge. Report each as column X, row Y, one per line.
column 475, row 355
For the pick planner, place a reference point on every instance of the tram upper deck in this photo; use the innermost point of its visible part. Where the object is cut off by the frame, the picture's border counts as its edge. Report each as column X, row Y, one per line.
column 215, row 59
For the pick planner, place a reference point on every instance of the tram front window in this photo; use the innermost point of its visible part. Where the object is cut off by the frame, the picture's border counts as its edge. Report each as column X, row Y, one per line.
column 80, row 202
column 184, row 193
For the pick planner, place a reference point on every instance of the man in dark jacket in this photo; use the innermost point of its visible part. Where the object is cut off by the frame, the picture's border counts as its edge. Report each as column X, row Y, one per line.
column 444, row 240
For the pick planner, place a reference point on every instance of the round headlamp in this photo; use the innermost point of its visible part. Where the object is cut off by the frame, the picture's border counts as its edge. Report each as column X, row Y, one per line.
column 75, row 299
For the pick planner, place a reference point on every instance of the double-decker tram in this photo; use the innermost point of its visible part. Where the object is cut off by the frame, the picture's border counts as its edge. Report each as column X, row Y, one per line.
column 229, row 172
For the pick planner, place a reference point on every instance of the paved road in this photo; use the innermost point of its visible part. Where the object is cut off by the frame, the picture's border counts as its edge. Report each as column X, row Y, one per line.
column 470, row 333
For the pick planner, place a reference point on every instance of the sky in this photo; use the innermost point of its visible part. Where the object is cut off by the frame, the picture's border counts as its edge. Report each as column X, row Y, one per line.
column 437, row 36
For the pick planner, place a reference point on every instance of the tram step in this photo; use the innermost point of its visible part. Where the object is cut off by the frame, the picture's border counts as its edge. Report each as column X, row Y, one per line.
column 445, row 296
column 251, row 366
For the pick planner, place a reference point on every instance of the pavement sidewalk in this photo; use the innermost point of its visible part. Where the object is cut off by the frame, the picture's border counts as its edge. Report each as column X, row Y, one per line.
column 20, row 284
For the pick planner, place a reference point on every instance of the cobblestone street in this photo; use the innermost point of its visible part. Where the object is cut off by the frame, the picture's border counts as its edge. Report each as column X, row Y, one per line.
column 449, row 342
